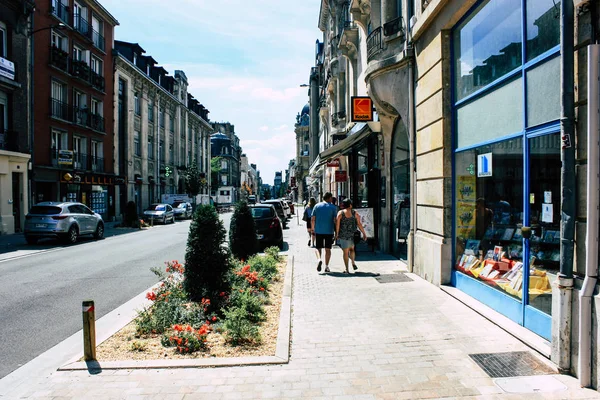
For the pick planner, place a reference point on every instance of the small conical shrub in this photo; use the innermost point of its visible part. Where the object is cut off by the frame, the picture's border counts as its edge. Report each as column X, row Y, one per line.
column 206, row 260
column 242, row 232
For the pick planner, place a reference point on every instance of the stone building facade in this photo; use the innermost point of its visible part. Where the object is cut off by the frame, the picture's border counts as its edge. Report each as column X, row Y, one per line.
column 226, row 145
column 161, row 129
column 15, row 113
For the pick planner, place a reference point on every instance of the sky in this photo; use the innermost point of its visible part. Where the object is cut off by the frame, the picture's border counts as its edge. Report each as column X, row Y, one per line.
column 244, row 60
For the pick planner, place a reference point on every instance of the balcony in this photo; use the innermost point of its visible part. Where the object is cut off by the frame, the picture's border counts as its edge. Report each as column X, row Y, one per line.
column 97, row 164
column 97, row 122
column 81, row 70
column 98, row 40
column 82, row 26
column 59, row 58
column 12, row 141
column 97, row 81
column 394, row 27
column 60, row 10
column 374, row 44
column 58, row 109
column 345, row 20
column 81, row 161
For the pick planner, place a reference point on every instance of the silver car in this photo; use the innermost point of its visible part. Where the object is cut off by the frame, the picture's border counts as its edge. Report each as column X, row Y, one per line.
column 183, row 210
column 159, row 212
column 64, row 220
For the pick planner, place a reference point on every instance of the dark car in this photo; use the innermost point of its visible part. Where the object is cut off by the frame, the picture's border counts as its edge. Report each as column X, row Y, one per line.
column 64, row 220
column 269, row 229
column 182, row 210
column 279, row 209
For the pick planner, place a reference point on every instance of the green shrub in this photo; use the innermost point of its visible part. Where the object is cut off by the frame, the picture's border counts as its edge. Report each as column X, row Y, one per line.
column 238, row 329
column 265, row 266
column 206, row 260
column 273, row 252
column 250, row 302
column 242, row 232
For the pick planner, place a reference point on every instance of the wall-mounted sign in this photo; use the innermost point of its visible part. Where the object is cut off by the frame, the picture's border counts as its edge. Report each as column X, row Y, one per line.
column 341, row 176
column 335, row 139
column 362, row 109
column 65, row 157
column 7, row 69
column 484, row 165
column 334, row 163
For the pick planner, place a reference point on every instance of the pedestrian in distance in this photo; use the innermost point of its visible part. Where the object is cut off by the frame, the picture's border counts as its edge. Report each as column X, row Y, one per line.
column 323, row 226
column 307, row 218
column 347, row 222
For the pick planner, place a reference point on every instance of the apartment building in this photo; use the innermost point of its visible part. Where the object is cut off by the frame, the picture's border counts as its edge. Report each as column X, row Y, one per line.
column 161, row 129
column 73, row 117
column 226, row 145
column 15, row 113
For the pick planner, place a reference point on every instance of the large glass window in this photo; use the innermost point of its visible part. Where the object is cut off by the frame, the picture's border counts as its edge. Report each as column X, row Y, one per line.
column 488, row 211
column 543, row 26
column 498, row 113
column 543, row 92
column 487, row 45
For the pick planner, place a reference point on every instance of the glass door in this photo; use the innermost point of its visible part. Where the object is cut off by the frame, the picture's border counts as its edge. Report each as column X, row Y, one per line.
column 543, row 203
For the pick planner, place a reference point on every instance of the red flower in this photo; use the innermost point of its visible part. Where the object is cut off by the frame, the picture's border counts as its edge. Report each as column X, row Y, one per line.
column 151, row 296
column 262, row 289
column 214, row 319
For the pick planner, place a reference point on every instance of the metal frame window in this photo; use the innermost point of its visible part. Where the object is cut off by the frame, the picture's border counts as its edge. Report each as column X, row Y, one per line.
column 505, row 42
column 136, row 103
column 3, row 40
column 97, row 65
column 59, row 41
column 137, row 147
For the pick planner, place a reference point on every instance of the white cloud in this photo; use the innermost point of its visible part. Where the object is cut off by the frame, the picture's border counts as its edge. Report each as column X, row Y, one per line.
column 244, row 62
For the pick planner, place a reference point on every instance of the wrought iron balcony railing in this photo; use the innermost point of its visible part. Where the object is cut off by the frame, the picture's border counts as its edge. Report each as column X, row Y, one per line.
column 59, row 10
column 59, row 58
column 97, row 81
column 81, row 161
column 82, row 26
column 98, row 40
column 58, row 109
column 374, row 43
column 97, row 122
column 80, row 70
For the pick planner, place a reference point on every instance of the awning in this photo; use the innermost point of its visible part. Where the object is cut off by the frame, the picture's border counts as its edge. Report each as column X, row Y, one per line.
column 358, row 132
column 315, row 166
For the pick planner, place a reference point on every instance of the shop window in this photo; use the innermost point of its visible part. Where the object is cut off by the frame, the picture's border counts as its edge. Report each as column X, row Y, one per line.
column 489, row 212
column 543, row 92
column 543, row 26
column 497, row 114
column 487, row 45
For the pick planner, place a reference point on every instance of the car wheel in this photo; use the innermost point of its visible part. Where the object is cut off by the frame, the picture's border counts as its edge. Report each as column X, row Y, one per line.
column 71, row 236
column 280, row 244
column 31, row 240
column 99, row 234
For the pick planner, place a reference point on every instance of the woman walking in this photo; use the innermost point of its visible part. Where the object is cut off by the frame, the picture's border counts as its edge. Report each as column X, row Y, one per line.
column 347, row 222
column 306, row 218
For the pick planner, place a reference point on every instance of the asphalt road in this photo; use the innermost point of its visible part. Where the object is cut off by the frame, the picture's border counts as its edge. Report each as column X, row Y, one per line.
column 41, row 292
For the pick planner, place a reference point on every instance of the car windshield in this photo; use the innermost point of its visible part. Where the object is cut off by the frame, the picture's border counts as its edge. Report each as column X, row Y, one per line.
column 261, row 212
column 178, row 204
column 45, row 210
column 156, row 207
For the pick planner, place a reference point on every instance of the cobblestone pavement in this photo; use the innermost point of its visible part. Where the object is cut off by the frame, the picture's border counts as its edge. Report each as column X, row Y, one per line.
column 352, row 338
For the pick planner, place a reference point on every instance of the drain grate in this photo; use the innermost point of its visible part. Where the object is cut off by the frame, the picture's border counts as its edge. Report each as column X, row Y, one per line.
column 510, row 364
column 390, row 278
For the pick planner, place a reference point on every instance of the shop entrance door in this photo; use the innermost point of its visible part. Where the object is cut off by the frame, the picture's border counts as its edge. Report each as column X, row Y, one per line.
column 542, row 214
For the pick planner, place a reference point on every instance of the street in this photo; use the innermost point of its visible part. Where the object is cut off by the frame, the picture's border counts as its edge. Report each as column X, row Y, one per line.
column 40, row 300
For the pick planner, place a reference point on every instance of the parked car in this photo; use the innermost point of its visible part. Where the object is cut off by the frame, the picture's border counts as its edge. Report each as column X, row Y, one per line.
column 291, row 204
column 286, row 207
column 279, row 209
column 159, row 212
column 252, row 199
column 182, row 210
column 64, row 220
column 269, row 228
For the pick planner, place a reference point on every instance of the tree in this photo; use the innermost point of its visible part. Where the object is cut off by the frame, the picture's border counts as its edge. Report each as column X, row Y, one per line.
column 242, row 232
column 193, row 181
column 206, row 260
column 215, row 168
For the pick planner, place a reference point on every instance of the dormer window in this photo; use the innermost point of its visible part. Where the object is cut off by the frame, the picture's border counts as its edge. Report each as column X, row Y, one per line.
column 148, row 69
column 134, row 58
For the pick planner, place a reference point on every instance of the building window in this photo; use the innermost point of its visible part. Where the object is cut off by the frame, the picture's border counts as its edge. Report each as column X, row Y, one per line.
column 150, row 148
column 58, row 141
column 96, row 117
column 97, row 33
column 59, row 106
column 172, row 123
column 97, row 156
column 3, row 41
column 161, row 117
column 137, row 147
column 97, row 65
column 223, row 164
column 80, row 108
column 136, row 103
column 58, row 41
column 161, row 150
column 79, row 153
column 79, row 54
column 171, row 153
column 150, row 111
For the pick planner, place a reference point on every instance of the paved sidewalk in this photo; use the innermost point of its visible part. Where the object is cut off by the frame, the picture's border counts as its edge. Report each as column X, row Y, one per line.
column 352, row 338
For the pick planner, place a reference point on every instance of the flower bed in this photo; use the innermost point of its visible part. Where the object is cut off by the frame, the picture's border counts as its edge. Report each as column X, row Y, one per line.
column 242, row 322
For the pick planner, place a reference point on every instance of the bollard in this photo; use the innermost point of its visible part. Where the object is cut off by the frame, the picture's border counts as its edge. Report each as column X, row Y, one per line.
column 89, row 330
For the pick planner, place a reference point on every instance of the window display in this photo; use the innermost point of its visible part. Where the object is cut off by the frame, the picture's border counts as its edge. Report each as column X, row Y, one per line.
column 98, row 202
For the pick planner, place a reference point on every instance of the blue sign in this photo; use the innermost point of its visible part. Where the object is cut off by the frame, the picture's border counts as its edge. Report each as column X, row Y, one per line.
column 484, row 165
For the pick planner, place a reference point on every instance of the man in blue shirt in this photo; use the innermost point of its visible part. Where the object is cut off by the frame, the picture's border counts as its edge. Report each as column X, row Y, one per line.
column 323, row 227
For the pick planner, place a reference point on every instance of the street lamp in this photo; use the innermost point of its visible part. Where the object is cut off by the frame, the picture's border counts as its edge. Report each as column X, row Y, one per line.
column 60, row 25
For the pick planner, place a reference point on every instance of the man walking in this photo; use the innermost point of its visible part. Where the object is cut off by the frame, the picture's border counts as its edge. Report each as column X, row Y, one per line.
column 323, row 226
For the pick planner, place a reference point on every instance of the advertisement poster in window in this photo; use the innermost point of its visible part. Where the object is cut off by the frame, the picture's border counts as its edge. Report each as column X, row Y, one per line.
column 466, row 191
column 366, row 218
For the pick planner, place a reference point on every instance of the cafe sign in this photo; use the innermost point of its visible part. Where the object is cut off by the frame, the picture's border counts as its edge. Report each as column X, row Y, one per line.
column 341, row 176
column 333, row 163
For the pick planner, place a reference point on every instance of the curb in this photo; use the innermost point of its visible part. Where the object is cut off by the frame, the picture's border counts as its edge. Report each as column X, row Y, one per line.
column 282, row 351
